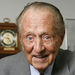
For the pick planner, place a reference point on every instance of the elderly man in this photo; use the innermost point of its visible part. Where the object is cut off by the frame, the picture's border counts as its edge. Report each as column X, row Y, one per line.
column 41, row 32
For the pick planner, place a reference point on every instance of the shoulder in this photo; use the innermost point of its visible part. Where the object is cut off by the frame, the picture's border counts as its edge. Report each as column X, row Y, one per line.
column 64, row 62
column 66, row 57
column 14, row 64
column 66, row 53
column 11, row 60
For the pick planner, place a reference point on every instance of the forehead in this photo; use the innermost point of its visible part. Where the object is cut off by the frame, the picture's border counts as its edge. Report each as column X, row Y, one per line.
column 37, row 20
column 33, row 14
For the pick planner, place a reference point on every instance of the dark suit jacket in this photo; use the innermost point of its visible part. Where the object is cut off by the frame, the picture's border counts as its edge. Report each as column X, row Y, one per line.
column 18, row 65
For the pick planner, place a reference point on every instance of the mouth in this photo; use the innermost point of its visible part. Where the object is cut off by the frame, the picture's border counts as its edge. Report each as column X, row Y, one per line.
column 40, row 56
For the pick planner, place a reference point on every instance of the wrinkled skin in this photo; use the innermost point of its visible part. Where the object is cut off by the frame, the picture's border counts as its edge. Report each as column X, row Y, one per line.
column 38, row 39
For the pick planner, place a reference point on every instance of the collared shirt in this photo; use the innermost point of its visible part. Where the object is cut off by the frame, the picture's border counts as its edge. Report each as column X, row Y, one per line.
column 36, row 72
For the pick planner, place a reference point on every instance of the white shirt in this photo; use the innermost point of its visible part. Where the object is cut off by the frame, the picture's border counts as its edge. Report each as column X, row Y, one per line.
column 36, row 72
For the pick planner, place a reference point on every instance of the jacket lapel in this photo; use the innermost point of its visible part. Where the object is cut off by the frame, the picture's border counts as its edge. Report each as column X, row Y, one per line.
column 60, row 66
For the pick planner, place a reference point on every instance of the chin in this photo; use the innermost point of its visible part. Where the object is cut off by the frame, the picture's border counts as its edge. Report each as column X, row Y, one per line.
column 40, row 66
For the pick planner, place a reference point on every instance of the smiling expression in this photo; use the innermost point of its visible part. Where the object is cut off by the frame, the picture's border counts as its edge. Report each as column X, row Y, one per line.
column 38, row 38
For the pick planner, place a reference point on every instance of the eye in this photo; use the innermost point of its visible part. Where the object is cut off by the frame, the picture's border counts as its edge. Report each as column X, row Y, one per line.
column 46, row 37
column 30, row 37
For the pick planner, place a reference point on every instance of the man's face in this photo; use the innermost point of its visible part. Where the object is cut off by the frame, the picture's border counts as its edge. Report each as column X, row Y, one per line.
column 39, row 41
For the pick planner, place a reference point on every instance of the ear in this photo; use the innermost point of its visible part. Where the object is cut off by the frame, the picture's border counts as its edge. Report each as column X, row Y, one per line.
column 20, row 38
column 62, row 38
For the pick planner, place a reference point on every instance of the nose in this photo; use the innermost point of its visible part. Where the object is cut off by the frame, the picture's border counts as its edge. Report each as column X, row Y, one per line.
column 38, row 46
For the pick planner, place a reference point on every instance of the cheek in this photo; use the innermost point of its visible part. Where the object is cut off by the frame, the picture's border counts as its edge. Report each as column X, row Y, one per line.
column 27, row 47
column 54, row 47
column 52, row 50
column 28, row 51
column 51, row 58
column 52, row 53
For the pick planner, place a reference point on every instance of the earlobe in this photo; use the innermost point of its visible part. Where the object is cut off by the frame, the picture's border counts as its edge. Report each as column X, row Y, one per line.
column 20, row 38
column 61, row 41
column 62, row 38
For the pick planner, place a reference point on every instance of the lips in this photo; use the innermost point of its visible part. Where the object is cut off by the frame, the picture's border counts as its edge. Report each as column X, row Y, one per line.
column 40, row 56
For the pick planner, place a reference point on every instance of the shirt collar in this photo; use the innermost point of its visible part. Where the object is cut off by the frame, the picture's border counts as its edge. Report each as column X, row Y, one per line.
column 36, row 72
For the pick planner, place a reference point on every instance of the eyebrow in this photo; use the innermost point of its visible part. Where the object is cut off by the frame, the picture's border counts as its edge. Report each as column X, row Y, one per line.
column 42, row 33
column 28, row 33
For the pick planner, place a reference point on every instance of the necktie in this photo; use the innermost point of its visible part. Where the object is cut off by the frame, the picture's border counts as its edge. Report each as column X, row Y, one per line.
column 41, row 74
